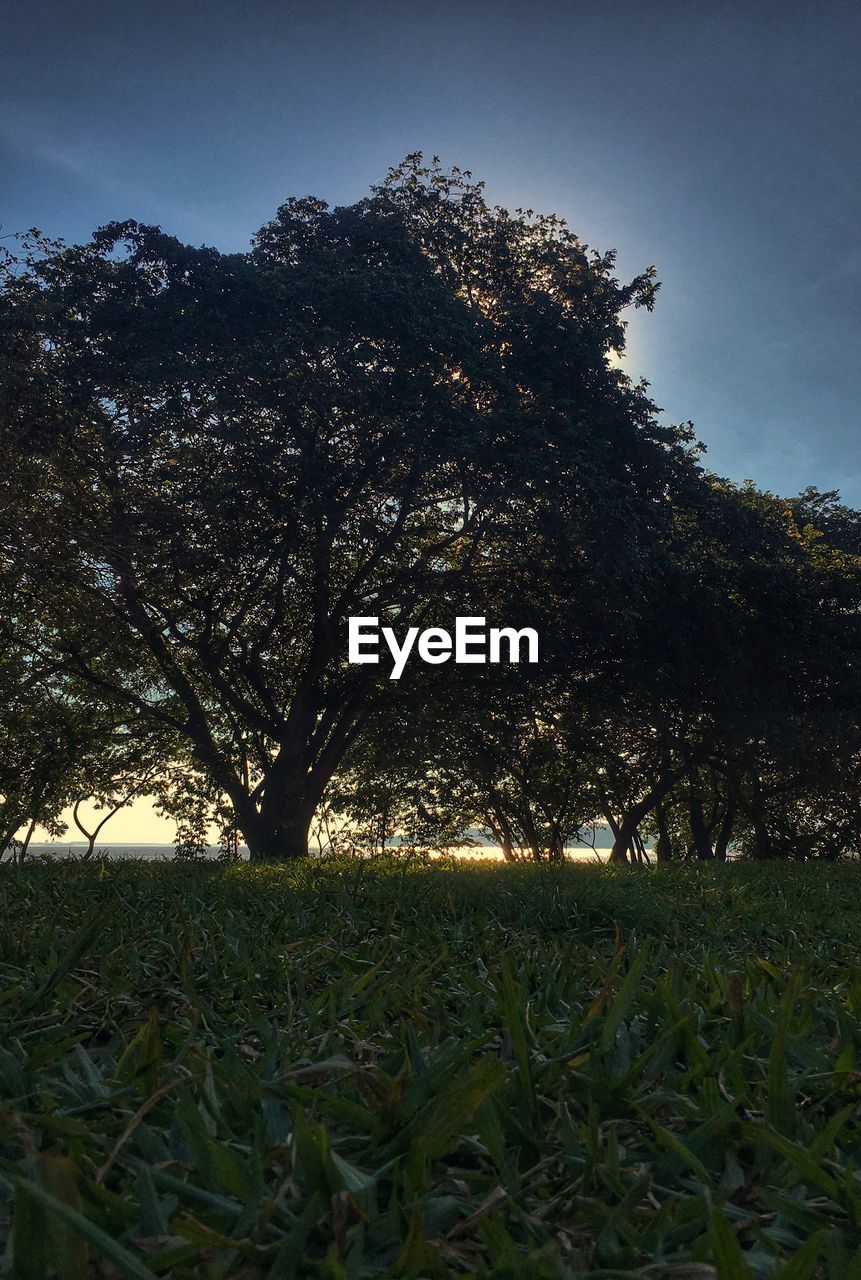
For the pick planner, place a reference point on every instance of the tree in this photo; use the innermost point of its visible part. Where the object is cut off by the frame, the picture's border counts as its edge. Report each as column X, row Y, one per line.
column 234, row 453
column 750, row 691
column 130, row 760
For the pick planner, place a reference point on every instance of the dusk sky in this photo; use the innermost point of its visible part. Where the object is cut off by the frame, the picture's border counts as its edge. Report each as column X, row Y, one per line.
column 718, row 141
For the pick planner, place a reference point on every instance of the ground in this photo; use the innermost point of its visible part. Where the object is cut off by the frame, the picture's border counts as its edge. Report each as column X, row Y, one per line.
column 399, row 1069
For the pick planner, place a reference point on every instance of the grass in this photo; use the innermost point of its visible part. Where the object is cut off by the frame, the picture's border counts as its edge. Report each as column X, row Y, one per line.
column 388, row 1070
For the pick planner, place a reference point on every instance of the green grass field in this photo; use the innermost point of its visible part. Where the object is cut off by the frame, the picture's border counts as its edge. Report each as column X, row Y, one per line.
column 406, row 1070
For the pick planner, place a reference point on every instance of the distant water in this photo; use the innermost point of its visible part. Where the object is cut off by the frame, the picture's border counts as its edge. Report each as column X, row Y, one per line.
column 148, row 852
column 165, row 852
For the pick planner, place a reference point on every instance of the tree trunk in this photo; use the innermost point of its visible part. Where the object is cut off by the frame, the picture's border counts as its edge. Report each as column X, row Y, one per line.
column 501, row 831
column 530, row 831
column 615, row 828
column 278, row 841
column 279, row 830
column 640, row 850
column 664, row 844
column 627, row 828
column 725, row 833
column 763, row 846
column 624, row 837
column 556, row 842
column 702, row 845
column 25, row 844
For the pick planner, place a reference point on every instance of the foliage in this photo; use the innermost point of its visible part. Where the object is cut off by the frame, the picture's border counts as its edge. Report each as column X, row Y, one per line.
column 226, row 456
column 405, row 408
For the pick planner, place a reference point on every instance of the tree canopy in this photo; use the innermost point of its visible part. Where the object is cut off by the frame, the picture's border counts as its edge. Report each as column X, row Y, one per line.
column 404, row 408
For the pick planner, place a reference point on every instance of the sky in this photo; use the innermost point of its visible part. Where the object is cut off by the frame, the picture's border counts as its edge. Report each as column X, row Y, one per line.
column 718, row 141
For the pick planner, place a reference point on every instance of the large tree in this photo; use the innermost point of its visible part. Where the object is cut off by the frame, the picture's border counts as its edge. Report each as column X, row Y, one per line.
column 229, row 455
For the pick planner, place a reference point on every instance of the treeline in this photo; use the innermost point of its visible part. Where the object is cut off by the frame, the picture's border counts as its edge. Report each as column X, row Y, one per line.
column 407, row 408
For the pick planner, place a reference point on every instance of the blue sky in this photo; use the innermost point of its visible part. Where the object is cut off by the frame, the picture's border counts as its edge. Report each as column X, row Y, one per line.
column 717, row 140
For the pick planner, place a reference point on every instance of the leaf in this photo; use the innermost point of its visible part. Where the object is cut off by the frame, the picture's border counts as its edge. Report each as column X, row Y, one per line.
column 620, row 1005
column 798, row 1158
column 70, row 957
column 514, row 1023
column 803, row 1265
column 731, row 1263
column 54, row 1208
column 443, row 1121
